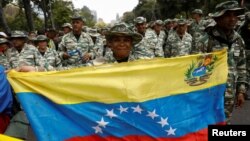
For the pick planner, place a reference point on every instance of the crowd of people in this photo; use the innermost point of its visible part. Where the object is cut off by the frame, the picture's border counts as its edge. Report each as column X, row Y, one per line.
column 78, row 45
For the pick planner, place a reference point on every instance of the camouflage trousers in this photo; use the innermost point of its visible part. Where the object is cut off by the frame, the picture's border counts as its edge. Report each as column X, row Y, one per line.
column 229, row 98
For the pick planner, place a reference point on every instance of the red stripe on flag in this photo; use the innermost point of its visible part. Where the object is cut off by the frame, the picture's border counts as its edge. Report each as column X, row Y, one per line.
column 201, row 135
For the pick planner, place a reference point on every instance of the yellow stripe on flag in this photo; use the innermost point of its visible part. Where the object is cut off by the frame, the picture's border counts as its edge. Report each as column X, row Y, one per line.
column 136, row 81
column 8, row 138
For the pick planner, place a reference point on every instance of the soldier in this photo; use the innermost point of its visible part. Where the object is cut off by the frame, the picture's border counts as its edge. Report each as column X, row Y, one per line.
column 98, row 42
column 4, row 45
column 223, row 36
column 244, row 31
column 197, row 26
column 179, row 42
column 76, row 47
column 157, row 36
column 51, row 34
column 144, row 49
column 168, row 26
column 67, row 27
column 50, row 56
column 121, row 40
column 22, row 54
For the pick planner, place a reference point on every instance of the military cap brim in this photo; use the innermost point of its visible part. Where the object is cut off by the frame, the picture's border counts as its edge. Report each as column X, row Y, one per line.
column 239, row 11
column 135, row 36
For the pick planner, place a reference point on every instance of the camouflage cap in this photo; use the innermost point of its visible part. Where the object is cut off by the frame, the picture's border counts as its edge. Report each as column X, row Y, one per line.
column 40, row 38
column 121, row 29
column 77, row 16
column 3, row 41
column 167, row 21
column 159, row 22
column 140, row 20
column 93, row 32
column 197, row 11
column 181, row 22
column 221, row 8
column 67, row 25
column 18, row 34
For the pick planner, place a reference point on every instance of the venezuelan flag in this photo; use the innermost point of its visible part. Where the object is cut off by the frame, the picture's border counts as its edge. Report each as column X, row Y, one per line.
column 161, row 99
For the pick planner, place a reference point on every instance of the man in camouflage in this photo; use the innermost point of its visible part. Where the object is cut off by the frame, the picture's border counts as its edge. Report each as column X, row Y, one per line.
column 76, row 47
column 50, row 56
column 121, row 40
column 4, row 45
column 244, row 31
column 98, row 42
column 151, row 35
column 145, row 48
column 179, row 42
column 223, row 36
column 197, row 27
column 22, row 54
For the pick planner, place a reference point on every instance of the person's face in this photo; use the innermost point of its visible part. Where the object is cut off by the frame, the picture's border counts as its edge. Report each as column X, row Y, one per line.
column 18, row 42
column 181, row 29
column 228, row 20
column 121, row 46
column 77, row 25
column 196, row 16
column 157, row 28
column 3, row 47
column 141, row 27
column 168, row 25
column 66, row 30
column 42, row 45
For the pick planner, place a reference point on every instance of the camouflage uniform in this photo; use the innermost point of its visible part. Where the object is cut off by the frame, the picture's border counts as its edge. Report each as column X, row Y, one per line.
column 236, row 62
column 98, row 43
column 217, row 40
column 3, row 58
column 156, row 48
column 76, row 49
column 244, row 31
column 176, row 46
column 197, row 31
column 109, row 58
column 29, row 56
column 51, row 59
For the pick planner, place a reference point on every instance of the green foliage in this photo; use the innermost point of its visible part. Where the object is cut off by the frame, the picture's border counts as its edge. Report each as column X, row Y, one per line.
column 62, row 11
column 147, row 9
column 189, row 71
column 86, row 13
column 128, row 17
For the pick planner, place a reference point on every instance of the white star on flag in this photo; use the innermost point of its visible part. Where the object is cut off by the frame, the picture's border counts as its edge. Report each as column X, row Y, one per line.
column 102, row 123
column 137, row 109
column 97, row 129
column 152, row 114
column 171, row 131
column 121, row 109
column 163, row 122
column 111, row 113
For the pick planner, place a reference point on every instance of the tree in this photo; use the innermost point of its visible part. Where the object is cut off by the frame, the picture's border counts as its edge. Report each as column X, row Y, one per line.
column 147, row 9
column 3, row 21
column 28, row 14
column 128, row 17
column 62, row 12
column 86, row 13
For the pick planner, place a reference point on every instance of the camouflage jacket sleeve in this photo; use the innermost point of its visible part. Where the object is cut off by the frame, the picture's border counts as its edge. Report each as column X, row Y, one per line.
column 62, row 48
column 91, row 50
column 240, row 57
